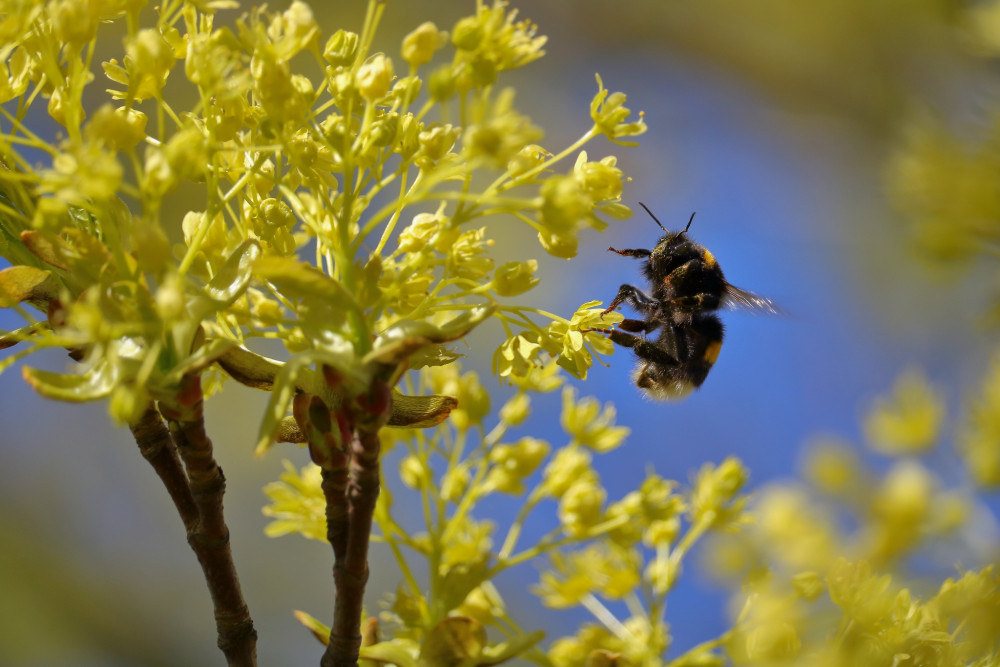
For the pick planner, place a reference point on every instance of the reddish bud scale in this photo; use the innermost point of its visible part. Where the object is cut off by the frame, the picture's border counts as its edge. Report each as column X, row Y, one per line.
column 332, row 376
column 189, row 395
column 346, row 427
column 378, row 399
column 56, row 313
column 300, row 410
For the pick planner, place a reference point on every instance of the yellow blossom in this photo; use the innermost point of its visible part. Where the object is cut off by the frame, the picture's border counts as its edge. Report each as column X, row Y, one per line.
column 419, row 46
column 568, row 465
column 297, row 503
column 580, row 506
column 589, row 425
column 979, row 438
column 909, row 420
column 715, row 498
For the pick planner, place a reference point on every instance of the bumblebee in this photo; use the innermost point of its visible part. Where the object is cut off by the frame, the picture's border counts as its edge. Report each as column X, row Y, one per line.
column 686, row 288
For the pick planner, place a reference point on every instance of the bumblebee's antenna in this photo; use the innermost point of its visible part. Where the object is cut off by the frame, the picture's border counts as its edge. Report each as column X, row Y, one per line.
column 654, row 217
column 690, row 220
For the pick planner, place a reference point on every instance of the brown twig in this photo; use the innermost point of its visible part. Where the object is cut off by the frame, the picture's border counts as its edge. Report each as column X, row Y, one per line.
column 156, row 446
column 335, row 491
column 209, row 537
column 350, row 572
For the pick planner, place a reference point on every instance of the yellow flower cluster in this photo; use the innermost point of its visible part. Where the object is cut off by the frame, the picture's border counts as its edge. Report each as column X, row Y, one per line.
column 825, row 567
column 624, row 551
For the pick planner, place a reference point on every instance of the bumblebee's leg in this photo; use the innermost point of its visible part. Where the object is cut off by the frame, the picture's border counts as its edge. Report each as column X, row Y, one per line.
column 631, row 295
column 632, row 252
column 639, row 326
column 643, row 348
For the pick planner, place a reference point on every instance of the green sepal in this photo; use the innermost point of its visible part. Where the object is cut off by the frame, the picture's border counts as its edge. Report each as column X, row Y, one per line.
column 91, row 385
column 26, row 283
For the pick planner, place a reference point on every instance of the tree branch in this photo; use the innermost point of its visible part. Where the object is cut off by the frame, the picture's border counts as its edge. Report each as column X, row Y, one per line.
column 157, row 447
column 209, row 537
column 350, row 572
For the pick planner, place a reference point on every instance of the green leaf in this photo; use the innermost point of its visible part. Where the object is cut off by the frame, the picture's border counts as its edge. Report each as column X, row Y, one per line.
column 390, row 653
column 398, row 342
column 281, row 397
column 420, row 411
column 323, row 301
column 433, row 355
column 297, row 280
column 316, row 627
column 233, row 277
column 26, row 283
column 91, row 385
column 495, row 655
column 459, row 581
column 44, row 249
column 199, row 360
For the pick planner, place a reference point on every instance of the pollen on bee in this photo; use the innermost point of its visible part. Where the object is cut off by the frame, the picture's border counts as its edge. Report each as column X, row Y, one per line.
column 712, row 351
column 709, row 259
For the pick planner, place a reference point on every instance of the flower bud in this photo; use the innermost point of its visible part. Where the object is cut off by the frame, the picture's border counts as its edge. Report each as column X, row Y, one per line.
column 515, row 278
column 419, row 46
column 341, row 48
column 467, row 33
column 516, row 410
column 375, row 77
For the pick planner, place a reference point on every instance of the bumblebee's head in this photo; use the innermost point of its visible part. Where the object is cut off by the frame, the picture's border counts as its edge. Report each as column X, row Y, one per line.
column 670, row 240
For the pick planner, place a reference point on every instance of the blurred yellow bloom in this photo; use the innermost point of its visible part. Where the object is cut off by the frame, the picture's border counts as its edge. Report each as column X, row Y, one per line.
column 714, row 498
column 420, row 44
column 798, row 534
column 907, row 421
column 589, row 425
column 900, row 510
column 833, row 468
column 297, row 503
column 512, row 463
column 516, row 409
column 612, row 573
column 979, row 437
column 470, row 544
column 580, row 506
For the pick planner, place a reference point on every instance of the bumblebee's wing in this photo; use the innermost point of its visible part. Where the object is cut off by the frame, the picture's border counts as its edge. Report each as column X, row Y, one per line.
column 738, row 299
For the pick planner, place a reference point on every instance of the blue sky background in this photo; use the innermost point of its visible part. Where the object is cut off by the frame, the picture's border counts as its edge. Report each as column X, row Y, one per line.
column 789, row 192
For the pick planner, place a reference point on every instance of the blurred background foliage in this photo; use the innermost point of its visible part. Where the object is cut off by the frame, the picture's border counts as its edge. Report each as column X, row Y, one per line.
column 843, row 160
